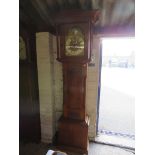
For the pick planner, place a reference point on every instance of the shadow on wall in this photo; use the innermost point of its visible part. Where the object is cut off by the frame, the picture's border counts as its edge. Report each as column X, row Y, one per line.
column 116, row 111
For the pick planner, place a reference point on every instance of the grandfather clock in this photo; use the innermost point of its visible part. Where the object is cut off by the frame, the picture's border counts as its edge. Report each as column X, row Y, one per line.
column 74, row 37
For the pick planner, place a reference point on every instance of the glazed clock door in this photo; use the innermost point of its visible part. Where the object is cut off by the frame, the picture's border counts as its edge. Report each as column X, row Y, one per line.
column 74, row 42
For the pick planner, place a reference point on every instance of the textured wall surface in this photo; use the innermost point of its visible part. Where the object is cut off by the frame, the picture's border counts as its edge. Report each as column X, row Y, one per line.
column 92, row 87
column 51, row 86
column 45, row 81
column 58, row 83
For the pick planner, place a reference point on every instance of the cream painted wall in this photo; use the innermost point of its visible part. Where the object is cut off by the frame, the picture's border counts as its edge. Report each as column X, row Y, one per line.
column 45, row 82
column 51, row 86
column 92, row 87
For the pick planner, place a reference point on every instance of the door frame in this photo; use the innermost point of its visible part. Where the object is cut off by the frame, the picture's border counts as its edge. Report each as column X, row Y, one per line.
column 99, row 86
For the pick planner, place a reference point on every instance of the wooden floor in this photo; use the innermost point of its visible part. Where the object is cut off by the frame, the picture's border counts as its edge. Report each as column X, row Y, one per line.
column 94, row 149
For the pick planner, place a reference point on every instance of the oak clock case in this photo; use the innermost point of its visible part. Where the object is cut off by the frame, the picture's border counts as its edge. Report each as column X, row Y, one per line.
column 74, row 53
column 74, row 33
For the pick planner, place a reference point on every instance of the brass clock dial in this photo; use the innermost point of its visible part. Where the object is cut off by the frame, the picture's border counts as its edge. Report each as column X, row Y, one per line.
column 74, row 42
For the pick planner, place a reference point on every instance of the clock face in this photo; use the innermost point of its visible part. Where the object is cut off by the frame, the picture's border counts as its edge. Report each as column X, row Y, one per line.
column 74, row 42
column 22, row 49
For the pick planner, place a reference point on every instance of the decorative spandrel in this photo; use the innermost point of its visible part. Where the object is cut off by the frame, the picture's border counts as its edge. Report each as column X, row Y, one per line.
column 74, row 42
column 22, row 49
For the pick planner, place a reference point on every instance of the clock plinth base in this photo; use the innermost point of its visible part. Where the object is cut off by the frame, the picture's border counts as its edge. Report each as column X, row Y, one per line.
column 73, row 135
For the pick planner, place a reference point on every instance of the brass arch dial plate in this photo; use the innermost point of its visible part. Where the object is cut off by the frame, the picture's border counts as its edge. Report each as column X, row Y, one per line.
column 74, row 42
